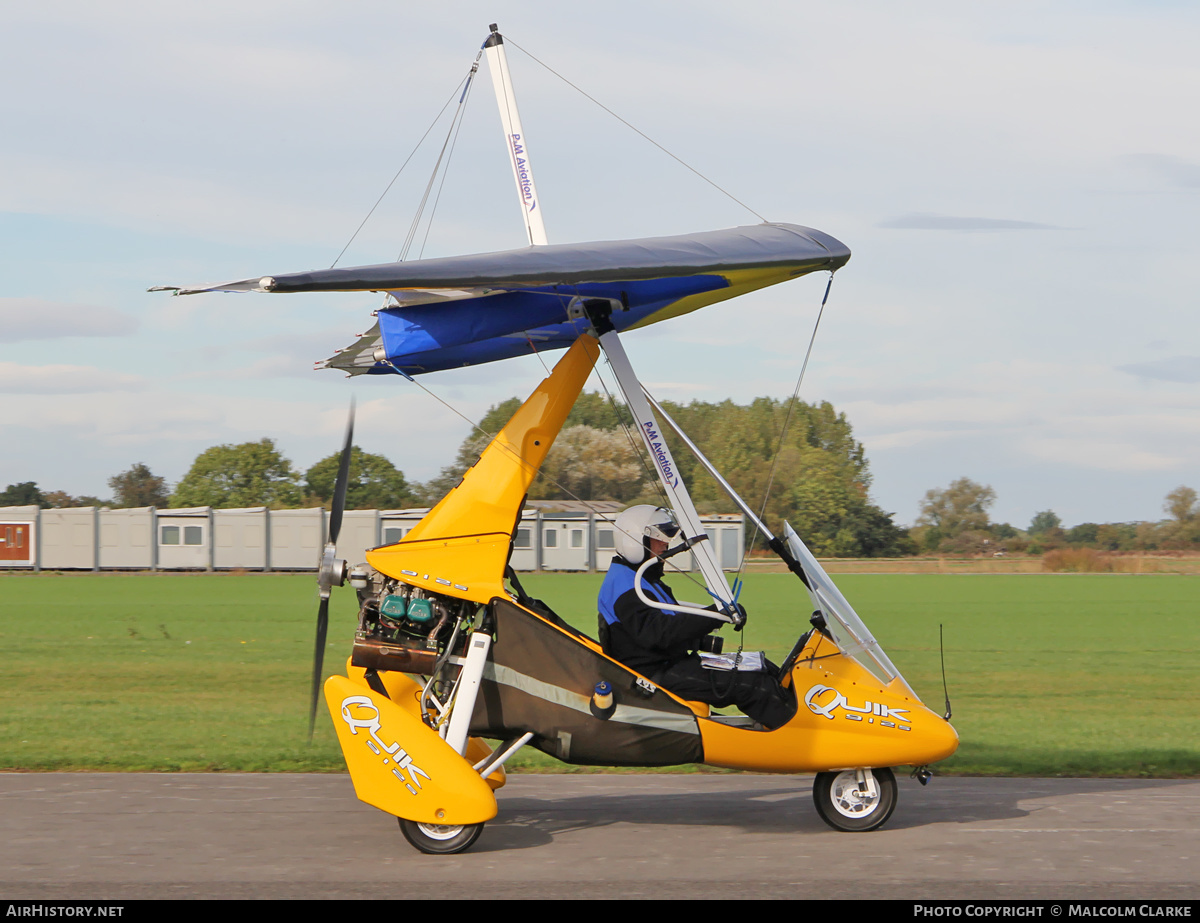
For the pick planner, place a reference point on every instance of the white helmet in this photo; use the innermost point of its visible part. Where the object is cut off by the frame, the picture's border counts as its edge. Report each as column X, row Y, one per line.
column 639, row 523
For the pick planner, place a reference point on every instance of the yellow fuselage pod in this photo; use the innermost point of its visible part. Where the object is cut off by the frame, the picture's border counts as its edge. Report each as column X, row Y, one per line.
column 406, row 693
column 399, row 765
column 460, row 547
column 845, row 719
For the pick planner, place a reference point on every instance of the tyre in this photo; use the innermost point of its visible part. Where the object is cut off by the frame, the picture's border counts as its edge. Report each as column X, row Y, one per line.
column 440, row 839
column 852, row 805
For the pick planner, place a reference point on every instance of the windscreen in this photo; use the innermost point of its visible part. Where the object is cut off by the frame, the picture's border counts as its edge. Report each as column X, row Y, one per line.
column 848, row 630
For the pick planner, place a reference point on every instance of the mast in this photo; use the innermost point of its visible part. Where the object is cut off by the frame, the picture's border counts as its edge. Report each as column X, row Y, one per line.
column 514, row 138
column 598, row 312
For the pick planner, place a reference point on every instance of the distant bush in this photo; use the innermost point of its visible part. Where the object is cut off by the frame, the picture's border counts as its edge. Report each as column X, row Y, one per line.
column 1086, row 533
column 1077, row 560
column 1018, row 544
column 971, row 541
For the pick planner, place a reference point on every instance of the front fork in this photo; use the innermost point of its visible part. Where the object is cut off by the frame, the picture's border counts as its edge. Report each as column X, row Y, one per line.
column 457, row 732
column 867, row 785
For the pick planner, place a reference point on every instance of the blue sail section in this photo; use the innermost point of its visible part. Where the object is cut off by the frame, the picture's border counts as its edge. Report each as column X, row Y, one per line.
column 429, row 337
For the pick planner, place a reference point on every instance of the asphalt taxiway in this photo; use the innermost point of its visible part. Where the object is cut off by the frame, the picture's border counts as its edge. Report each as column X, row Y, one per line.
column 130, row 835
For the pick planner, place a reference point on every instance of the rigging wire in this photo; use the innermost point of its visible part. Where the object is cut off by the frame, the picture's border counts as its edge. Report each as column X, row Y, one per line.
column 516, row 455
column 446, row 154
column 451, row 134
column 537, row 352
column 786, row 422
column 635, row 444
column 642, row 457
column 462, row 103
column 508, row 40
column 410, row 156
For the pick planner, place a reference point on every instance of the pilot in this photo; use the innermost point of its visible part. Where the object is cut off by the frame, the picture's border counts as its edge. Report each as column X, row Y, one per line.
column 661, row 644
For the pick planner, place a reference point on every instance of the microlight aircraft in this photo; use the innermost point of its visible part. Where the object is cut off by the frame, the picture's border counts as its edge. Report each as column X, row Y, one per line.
column 451, row 651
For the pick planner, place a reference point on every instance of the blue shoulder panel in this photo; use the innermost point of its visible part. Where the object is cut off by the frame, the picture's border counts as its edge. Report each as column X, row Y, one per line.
column 619, row 581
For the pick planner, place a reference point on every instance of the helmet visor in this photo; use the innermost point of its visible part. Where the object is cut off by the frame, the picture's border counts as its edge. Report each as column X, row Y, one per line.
column 663, row 531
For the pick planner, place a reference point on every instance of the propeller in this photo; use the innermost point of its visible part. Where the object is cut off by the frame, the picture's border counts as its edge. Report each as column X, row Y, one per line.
column 331, row 572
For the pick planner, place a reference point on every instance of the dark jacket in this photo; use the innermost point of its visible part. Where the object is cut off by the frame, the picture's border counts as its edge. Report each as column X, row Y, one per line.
column 647, row 639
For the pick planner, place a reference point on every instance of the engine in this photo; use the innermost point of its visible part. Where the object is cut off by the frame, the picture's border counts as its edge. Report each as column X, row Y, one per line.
column 402, row 627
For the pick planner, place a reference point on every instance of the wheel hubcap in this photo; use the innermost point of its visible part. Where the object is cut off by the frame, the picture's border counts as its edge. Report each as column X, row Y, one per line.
column 854, row 798
column 440, row 831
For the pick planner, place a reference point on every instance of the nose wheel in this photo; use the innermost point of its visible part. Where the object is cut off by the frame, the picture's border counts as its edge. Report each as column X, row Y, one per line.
column 440, row 839
column 856, row 800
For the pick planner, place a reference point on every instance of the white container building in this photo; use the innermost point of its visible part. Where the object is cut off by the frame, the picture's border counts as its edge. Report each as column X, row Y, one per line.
column 256, row 538
column 19, row 536
column 127, row 539
column 185, row 538
column 240, row 538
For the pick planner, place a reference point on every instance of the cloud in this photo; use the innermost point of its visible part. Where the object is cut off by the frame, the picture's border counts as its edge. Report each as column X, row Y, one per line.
column 143, row 197
column 1019, row 409
column 161, row 424
column 929, row 437
column 677, row 386
column 1175, row 170
column 38, row 319
column 1173, row 368
column 921, row 221
column 1102, row 454
column 64, row 379
column 264, row 367
column 275, row 356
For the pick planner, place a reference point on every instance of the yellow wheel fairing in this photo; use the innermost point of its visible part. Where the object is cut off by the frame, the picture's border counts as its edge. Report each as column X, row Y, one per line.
column 406, row 693
column 399, row 765
column 401, row 688
column 460, row 547
column 845, row 719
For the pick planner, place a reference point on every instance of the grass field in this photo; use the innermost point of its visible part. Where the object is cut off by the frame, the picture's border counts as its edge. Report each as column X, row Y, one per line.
column 1049, row 674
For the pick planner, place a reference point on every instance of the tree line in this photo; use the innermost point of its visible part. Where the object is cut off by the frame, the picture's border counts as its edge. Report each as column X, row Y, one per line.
column 231, row 476
column 954, row 520
column 803, row 459
column 818, row 475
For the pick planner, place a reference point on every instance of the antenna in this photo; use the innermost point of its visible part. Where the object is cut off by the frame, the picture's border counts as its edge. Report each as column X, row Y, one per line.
column 945, row 690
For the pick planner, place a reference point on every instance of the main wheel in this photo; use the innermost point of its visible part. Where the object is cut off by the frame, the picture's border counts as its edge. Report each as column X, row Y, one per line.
column 440, row 839
column 856, row 800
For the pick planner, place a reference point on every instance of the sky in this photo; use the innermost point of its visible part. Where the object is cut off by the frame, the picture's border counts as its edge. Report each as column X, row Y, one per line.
column 1017, row 182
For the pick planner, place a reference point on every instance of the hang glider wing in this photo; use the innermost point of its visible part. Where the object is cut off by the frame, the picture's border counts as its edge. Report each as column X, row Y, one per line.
column 466, row 310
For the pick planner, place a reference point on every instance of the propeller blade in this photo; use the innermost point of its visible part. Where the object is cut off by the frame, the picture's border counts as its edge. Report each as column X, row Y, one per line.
column 343, row 480
column 318, row 662
column 330, row 572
